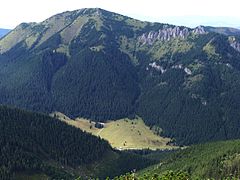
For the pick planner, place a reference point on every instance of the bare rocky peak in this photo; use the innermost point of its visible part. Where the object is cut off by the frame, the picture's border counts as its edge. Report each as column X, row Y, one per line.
column 199, row 30
column 168, row 33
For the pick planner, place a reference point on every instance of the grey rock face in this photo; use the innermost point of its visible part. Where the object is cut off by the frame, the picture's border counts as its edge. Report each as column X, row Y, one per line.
column 168, row 33
column 234, row 43
column 199, row 30
column 157, row 67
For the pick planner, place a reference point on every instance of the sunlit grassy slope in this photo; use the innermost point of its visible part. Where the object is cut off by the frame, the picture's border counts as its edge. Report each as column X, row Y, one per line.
column 123, row 133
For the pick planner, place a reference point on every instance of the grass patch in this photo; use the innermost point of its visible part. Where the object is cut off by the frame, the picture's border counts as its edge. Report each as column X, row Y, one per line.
column 211, row 51
column 123, row 134
column 169, row 48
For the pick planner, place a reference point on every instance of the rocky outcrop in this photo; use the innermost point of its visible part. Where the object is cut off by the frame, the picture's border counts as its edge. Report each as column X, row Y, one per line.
column 199, row 30
column 234, row 43
column 168, row 33
column 161, row 69
column 157, row 67
column 187, row 71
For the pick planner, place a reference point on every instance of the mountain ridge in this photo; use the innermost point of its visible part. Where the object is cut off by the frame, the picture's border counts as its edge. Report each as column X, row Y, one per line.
column 93, row 63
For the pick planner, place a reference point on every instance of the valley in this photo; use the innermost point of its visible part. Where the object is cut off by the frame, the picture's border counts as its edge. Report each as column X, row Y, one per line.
column 36, row 146
column 101, row 65
column 122, row 134
column 125, row 94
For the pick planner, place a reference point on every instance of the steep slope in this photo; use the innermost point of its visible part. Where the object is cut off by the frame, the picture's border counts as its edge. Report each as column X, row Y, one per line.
column 100, row 65
column 218, row 160
column 190, row 88
column 78, row 70
column 189, row 81
column 34, row 144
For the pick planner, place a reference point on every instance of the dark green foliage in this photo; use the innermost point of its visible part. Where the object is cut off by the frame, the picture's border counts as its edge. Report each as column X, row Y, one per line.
column 105, row 88
column 36, row 143
column 121, row 163
column 96, row 85
column 104, row 73
column 195, row 110
column 51, row 63
column 29, row 140
column 218, row 160
column 168, row 175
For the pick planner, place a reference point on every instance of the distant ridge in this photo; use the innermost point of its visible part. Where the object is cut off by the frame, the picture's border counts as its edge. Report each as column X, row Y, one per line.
column 224, row 30
column 3, row 32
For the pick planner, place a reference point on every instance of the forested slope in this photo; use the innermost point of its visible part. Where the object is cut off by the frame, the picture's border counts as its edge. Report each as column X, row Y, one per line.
column 100, row 65
column 218, row 160
column 33, row 143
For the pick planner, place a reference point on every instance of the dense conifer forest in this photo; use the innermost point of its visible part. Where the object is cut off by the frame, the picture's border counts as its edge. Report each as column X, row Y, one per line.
column 116, row 67
column 37, row 143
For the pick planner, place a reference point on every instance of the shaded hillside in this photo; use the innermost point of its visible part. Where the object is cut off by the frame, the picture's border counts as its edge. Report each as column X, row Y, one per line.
column 32, row 142
column 35, row 144
column 100, row 65
column 76, row 71
column 195, row 97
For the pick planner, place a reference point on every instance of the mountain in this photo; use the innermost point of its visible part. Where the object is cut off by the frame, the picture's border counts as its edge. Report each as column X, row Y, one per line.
column 224, row 30
column 36, row 145
column 3, row 32
column 99, row 65
column 218, row 160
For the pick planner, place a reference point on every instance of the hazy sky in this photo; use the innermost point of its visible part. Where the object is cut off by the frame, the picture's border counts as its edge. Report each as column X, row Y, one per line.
column 181, row 12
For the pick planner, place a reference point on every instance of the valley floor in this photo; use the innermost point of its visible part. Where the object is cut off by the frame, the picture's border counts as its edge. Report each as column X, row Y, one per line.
column 122, row 134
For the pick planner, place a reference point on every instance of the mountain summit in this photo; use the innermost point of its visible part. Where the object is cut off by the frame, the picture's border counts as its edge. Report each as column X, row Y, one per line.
column 100, row 65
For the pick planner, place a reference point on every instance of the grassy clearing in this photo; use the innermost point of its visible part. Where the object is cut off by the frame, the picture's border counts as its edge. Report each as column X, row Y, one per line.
column 123, row 133
column 177, row 45
column 211, row 51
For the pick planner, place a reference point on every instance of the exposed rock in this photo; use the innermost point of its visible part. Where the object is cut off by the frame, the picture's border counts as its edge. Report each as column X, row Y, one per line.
column 157, row 67
column 204, row 102
column 188, row 71
column 178, row 66
column 199, row 30
column 233, row 42
column 229, row 65
column 160, row 68
column 168, row 33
